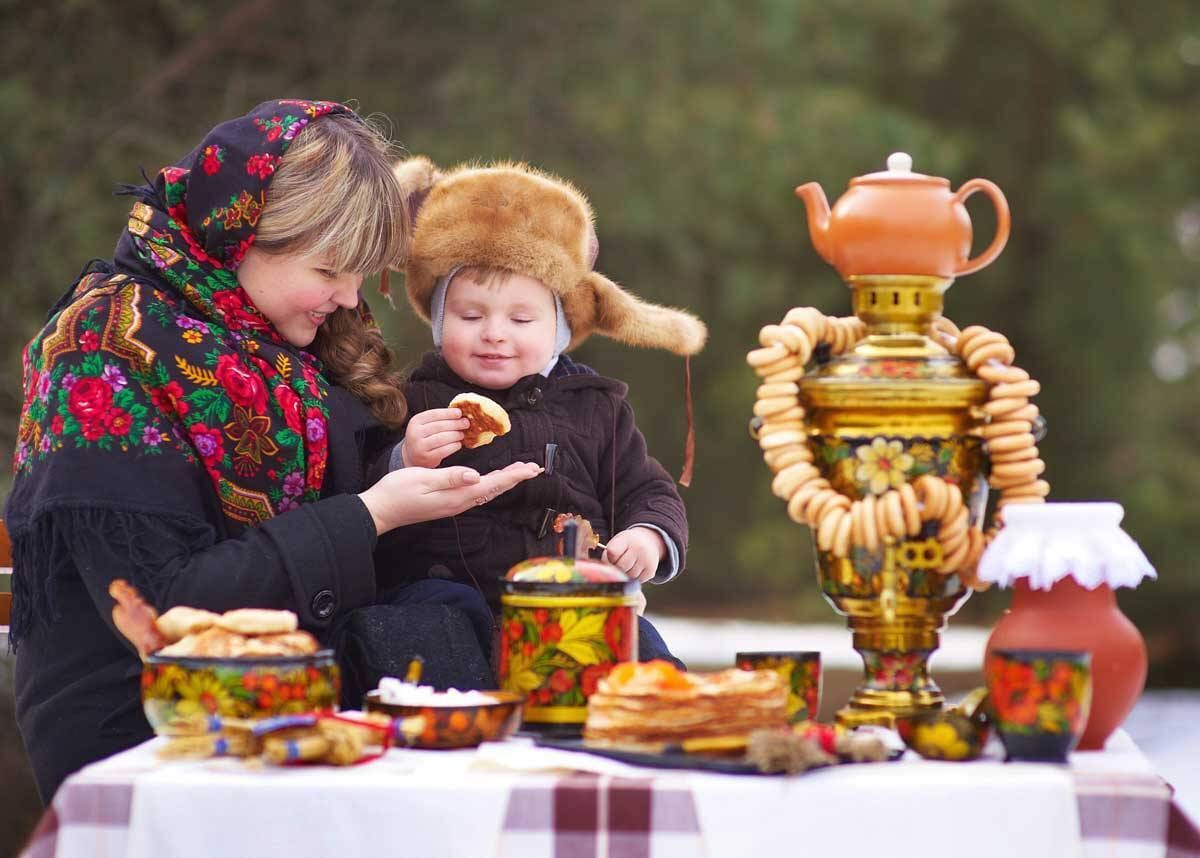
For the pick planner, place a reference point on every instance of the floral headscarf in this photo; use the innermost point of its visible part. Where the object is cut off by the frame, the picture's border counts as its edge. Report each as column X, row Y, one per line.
column 159, row 368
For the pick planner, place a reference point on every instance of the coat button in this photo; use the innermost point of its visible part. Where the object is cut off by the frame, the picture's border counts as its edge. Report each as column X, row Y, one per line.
column 323, row 604
column 534, row 396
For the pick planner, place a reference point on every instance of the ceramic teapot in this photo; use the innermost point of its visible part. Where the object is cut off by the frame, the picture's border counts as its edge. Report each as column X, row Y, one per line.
column 900, row 222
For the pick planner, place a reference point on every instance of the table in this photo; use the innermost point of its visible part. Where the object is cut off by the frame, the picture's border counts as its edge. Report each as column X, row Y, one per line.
column 513, row 799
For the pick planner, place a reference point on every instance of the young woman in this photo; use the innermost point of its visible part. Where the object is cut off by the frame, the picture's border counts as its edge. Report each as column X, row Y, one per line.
column 203, row 416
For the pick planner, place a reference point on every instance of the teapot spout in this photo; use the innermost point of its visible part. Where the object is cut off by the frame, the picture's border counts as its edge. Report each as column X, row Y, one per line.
column 818, row 218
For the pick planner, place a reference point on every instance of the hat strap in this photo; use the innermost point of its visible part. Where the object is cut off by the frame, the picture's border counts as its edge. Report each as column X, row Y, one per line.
column 689, row 447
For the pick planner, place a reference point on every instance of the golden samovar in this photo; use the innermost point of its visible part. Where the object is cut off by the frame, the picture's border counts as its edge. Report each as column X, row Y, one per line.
column 872, row 424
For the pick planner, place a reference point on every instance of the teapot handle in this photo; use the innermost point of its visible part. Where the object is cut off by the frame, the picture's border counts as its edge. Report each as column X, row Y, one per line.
column 1002, row 222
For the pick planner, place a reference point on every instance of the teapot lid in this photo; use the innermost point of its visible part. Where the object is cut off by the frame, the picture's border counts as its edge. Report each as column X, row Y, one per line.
column 899, row 171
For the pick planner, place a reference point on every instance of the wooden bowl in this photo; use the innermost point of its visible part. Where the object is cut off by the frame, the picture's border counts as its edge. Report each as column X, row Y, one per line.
column 456, row 725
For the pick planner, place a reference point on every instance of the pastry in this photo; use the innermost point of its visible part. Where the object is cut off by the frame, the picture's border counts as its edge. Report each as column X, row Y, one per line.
column 488, row 420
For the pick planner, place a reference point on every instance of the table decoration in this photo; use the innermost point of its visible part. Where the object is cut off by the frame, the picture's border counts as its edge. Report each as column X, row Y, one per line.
column 453, row 719
column 186, row 696
column 1063, row 562
column 338, row 739
column 947, row 735
column 800, row 672
column 884, row 429
column 1038, row 700
column 565, row 622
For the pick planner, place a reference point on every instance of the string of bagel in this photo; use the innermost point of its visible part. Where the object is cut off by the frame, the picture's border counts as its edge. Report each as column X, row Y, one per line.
column 1007, row 432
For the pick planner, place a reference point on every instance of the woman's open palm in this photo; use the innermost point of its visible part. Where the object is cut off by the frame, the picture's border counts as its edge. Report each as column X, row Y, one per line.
column 410, row 495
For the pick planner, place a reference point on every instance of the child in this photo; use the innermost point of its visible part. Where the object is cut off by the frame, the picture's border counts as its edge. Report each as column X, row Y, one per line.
column 501, row 268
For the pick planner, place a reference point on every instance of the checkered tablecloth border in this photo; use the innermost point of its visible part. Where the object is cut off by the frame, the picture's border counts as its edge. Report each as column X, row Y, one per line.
column 587, row 815
column 599, row 815
column 98, row 812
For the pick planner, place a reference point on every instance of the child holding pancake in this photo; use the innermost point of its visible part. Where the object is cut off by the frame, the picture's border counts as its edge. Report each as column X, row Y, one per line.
column 501, row 268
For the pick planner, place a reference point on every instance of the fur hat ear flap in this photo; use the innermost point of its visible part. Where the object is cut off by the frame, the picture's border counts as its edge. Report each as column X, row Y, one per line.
column 617, row 314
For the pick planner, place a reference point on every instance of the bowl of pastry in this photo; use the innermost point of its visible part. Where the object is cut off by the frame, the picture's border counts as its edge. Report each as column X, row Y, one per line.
column 448, row 719
column 200, row 667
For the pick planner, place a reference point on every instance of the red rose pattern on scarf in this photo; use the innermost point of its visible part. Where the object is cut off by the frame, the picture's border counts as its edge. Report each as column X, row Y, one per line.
column 182, row 363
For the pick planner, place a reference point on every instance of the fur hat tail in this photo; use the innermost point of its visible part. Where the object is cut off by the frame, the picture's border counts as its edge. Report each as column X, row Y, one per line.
column 623, row 317
column 417, row 176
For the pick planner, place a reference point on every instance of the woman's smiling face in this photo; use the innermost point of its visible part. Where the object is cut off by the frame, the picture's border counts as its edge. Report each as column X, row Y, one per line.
column 495, row 334
column 295, row 292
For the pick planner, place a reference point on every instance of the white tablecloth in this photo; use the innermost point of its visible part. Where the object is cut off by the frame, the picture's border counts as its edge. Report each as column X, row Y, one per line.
column 514, row 799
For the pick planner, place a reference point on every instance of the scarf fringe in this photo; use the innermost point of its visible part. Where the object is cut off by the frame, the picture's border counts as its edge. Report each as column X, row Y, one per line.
column 146, row 192
column 45, row 554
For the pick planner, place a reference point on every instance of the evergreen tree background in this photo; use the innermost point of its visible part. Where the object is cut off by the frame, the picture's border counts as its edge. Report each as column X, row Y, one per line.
column 688, row 124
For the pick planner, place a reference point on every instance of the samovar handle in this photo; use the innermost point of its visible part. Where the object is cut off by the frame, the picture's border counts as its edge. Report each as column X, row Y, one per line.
column 887, row 590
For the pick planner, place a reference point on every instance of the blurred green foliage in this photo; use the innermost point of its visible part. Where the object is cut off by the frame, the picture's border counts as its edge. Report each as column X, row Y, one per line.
column 688, row 124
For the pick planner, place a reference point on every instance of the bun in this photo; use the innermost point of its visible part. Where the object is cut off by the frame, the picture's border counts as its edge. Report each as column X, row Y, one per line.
column 181, row 621
column 258, row 621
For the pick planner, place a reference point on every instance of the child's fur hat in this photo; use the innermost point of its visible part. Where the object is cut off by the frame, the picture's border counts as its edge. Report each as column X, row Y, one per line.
column 515, row 217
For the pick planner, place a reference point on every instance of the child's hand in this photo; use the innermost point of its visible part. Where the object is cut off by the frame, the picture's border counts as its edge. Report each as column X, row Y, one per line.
column 432, row 436
column 637, row 552
column 639, row 604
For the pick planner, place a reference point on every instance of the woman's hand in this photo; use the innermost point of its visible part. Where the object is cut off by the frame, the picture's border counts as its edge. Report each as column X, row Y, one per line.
column 422, row 494
column 433, row 435
column 636, row 551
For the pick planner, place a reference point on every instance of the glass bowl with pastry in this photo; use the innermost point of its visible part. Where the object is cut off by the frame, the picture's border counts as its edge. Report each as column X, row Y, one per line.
column 199, row 667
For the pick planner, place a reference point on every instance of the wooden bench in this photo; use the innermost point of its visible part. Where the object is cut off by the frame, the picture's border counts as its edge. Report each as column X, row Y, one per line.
column 5, row 577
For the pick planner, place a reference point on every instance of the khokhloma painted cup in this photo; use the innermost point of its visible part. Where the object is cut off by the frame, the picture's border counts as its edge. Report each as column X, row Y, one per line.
column 801, row 673
column 1039, row 700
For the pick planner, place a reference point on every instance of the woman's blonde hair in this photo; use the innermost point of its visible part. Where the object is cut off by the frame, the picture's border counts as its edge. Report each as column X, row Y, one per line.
column 334, row 197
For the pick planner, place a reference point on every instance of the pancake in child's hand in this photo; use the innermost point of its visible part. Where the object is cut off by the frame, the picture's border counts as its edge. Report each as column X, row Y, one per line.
column 488, row 420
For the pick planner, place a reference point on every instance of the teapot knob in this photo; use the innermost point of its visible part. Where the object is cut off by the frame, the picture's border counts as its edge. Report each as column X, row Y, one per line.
column 900, row 162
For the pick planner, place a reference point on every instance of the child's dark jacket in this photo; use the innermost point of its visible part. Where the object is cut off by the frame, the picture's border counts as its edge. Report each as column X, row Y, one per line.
column 601, row 471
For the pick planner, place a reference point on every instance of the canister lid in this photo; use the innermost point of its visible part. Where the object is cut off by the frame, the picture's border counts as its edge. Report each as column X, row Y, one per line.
column 565, row 570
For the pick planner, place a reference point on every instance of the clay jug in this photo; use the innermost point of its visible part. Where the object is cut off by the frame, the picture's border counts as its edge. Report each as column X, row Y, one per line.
column 1063, row 561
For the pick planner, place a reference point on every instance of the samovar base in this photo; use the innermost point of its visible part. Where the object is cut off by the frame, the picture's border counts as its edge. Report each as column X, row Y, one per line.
column 868, row 706
column 895, row 647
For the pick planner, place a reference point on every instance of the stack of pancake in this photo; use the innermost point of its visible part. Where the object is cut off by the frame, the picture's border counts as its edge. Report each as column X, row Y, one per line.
column 654, row 704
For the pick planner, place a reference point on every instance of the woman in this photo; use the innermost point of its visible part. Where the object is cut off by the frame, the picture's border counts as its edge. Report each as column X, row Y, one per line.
column 203, row 417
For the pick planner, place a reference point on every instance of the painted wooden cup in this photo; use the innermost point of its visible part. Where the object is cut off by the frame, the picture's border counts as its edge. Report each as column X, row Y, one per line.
column 801, row 673
column 1039, row 700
